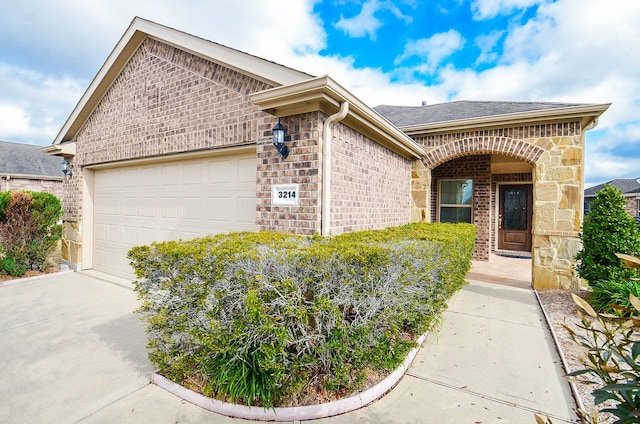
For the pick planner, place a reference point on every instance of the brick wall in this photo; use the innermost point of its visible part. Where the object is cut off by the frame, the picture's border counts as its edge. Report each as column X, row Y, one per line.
column 166, row 101
column 370, row 185
column 51, row 186
column 478, row 168
column 302, row 167
column 631, row 205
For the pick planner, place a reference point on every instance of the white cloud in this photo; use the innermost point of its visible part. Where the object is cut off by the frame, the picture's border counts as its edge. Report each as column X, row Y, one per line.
column 34, row 105
column 366, row 23
column 487, row 9
column 363, row 24
column 487, row 44
column 432, row 50
column 14, row 122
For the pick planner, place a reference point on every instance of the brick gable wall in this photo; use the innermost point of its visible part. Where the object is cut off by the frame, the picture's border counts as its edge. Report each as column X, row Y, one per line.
column 166, row 101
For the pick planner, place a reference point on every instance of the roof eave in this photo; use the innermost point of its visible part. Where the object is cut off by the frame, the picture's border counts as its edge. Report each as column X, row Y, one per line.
column 585, row 113
column 136, row 33
column 326, row 95
column 67, row 149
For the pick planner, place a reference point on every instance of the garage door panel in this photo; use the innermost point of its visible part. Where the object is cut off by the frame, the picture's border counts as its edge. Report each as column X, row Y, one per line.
column 169, row 208
column 166, row 201
column 220, row 172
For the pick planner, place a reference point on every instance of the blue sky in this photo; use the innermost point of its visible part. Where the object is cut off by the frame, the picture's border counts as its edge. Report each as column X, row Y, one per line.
column 385, row 52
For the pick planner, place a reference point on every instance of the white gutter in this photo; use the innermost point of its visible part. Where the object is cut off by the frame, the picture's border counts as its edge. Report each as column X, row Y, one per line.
column 327, row 135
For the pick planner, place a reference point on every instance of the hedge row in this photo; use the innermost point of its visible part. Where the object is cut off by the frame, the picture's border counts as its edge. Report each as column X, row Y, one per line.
column 259, row 318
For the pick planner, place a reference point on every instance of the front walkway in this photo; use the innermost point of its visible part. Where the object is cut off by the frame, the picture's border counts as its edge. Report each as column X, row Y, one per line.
column 73, row 352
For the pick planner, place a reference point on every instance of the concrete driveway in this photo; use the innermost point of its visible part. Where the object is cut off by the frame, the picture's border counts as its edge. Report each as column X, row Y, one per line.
column 73, row 352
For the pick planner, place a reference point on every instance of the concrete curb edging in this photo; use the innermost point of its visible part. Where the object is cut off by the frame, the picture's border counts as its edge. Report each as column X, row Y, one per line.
column 36, row 277
column 296, row 413
column 563, row 359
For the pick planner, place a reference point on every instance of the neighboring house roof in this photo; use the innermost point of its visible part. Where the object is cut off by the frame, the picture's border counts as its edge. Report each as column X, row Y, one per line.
column 27, row 160
column 465, row 113
column 628, row 186
column 137, row 32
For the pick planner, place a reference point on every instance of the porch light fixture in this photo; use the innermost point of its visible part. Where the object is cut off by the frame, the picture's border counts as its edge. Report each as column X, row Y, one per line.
column 278, row 140
column 65, row 168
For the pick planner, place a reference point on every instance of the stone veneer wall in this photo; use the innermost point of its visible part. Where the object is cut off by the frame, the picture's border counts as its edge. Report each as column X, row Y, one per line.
column 556, row 150
column 478, row 168
column 370, row 184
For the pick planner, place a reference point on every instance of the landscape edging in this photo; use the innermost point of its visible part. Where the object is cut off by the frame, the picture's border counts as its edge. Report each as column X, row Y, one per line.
column 295, row 413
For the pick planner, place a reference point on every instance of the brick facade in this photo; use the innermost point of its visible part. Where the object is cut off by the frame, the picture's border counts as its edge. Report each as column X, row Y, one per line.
column 166, row 101
column 370, row 185
column 477, row 168
column 303, row 166
column 31, row 184
column 632, row 205
column 556, row 152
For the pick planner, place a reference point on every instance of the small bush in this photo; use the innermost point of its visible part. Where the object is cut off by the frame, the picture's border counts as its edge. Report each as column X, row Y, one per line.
column 258, row 317
column 607, row 229
column 29, row 230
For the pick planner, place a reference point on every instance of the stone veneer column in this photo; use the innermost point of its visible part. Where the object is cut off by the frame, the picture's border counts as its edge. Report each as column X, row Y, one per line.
column 557, row 197
column 420, row 195
column 72, row 243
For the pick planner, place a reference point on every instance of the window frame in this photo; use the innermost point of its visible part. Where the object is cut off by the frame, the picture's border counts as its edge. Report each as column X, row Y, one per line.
column 455, row 205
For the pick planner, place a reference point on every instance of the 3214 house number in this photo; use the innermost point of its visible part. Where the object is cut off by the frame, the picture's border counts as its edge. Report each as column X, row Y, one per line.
column 285, row 194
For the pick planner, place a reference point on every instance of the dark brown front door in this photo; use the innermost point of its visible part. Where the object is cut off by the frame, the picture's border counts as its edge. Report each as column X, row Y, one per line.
column 514, row 219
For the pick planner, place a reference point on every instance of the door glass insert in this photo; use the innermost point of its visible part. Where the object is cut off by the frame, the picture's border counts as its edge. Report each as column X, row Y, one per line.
column 515, row 209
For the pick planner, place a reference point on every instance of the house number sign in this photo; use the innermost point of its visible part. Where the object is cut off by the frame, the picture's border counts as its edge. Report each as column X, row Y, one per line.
column 285, row 194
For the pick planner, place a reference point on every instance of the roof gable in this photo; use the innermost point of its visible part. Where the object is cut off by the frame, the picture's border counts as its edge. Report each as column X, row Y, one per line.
column 140, row 29
column 27, row 159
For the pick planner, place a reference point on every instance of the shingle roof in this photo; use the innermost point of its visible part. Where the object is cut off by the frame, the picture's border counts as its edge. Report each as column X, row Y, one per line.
column 626, row 185
column 403, row 116
column 27, row 159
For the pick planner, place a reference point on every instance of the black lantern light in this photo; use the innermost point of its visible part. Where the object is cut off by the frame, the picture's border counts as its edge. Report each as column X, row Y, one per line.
column 278, row 140
column 65, row 168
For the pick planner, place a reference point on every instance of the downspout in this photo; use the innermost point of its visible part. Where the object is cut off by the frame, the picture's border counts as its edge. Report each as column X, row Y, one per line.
column 327, row 135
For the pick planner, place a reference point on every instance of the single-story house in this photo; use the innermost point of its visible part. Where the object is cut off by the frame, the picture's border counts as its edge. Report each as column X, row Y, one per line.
column 26, row 167
column 630, row 188
column 174, row 138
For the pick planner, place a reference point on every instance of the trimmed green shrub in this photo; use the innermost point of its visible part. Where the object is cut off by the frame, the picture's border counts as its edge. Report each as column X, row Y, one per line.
column 607, row 230
column 259, row 317
column 29, row 230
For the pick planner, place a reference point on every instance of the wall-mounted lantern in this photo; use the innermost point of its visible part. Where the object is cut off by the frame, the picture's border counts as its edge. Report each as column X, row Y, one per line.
column 66, row 170
column 278, row 140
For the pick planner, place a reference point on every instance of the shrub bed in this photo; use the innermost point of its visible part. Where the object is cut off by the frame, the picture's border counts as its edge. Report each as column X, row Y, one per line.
column 265, row 318
column 29, row 230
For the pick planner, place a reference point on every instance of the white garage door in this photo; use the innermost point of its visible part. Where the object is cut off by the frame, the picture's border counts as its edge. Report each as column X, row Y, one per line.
column 135, row 205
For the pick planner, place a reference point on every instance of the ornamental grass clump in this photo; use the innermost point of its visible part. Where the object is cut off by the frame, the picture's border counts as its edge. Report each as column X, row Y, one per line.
column 265, row 318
